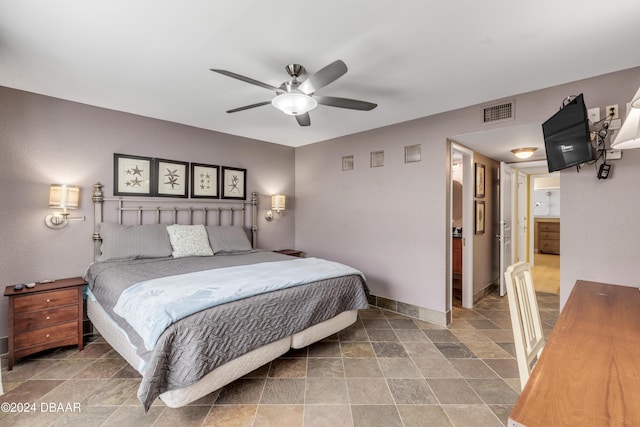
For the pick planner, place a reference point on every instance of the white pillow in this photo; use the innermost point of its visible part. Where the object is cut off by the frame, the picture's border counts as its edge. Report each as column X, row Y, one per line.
column 189, row 240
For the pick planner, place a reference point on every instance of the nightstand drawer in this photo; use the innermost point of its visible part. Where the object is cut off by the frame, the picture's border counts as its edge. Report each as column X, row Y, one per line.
column 550, row 246
column 44, row 300
column 550, row 235
column 46, row 335
column 549, row 226
column 44, row 318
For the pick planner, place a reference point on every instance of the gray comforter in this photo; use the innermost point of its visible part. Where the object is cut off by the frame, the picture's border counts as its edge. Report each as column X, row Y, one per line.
column 194, row 346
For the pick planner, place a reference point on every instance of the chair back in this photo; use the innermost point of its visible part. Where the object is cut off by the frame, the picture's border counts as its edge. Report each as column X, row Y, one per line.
column 525, row 318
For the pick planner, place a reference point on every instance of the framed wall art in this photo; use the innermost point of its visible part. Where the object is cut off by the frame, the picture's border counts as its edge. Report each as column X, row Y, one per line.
column 480, row 180
column 172, row 178
column 204, row 181
column 132, row 175
column 234, row 183
column 347, row 163
column 480, row 217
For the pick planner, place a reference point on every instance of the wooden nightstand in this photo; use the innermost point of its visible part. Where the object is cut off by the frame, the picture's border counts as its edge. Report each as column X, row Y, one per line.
column 291, row 252
column 46, row 316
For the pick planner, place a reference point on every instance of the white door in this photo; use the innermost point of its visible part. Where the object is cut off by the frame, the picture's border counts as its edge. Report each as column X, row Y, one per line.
column 522, row 217
column 506, row 215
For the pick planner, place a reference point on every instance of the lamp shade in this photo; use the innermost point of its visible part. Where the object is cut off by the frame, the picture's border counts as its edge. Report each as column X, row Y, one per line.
column 278, row 202
column 629, row 134
column 64, row 196
column 294, row 103
column 635, row 102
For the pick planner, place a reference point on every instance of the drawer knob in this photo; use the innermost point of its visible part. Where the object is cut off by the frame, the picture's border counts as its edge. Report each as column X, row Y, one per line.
column 47, row 336
column 48, row 300
column 48, row 317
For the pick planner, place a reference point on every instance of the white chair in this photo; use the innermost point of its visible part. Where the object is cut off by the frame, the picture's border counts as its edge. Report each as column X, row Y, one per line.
column 525, row 318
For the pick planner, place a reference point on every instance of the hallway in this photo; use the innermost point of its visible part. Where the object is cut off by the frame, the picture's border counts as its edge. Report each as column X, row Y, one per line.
column 546, row 273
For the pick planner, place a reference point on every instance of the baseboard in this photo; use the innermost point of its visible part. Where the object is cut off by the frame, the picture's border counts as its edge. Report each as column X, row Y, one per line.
column 484, row 292
column 410, row 310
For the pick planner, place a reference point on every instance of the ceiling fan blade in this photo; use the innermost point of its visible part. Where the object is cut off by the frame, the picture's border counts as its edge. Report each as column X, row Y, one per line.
column 352, row 104
column 246, row 79
column 323, row 77
column 303, row 119
column 246, row 107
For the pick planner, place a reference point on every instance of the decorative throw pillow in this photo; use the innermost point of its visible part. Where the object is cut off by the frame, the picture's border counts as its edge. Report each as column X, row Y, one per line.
column 189, row 240
column 228, row 239
column 133, row 241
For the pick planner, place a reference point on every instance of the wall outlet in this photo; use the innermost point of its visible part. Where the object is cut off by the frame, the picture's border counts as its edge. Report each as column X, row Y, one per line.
column 615, row 124
column 609, row 110
column 614, row 154
column 594, row 115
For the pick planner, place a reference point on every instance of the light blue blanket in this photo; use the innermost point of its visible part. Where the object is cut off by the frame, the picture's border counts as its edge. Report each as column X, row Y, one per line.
column 151, row 306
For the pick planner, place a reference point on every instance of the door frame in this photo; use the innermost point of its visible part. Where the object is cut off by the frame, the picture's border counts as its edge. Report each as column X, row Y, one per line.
column 467, row 226
column 506, row 241
column 522, row 210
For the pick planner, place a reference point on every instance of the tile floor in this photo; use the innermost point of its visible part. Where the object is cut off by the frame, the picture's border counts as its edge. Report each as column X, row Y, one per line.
column 385, row 370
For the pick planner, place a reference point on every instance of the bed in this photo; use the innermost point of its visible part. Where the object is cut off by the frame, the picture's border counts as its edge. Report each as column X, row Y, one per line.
column 158, row 271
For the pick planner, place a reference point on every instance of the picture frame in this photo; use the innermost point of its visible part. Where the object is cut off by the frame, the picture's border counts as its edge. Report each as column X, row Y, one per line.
column 205, row 181
column 171, row 178
column 377, row 159
column 479, row 217
column 234, row 183
column 132, row 175
column 347, row 163
column 480, row 180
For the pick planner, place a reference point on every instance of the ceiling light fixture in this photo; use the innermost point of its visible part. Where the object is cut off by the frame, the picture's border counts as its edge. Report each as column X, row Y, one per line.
column 629, row 134
column 293, row 103
column 524, row 153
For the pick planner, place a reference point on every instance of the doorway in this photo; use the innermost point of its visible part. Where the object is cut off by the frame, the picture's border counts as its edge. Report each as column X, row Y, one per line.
column 461, row 227
column 545, row 206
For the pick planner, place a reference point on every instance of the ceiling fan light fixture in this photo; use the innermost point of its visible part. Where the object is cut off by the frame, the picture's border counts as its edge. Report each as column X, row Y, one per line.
column 524, row 153
column 293, row 103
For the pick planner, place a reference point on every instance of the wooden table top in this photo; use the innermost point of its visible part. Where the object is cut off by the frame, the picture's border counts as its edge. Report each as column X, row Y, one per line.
column 589, row 371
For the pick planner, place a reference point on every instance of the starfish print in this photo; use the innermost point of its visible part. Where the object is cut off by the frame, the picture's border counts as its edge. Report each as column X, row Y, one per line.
column 172, row 178
column 135, row 182
column 136, row 171
column 235, row 181
column 172, row 181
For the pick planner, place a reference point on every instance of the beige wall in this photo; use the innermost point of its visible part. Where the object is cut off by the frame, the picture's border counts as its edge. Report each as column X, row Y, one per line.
column 392, row 222
column 45, row 140
column 486, row 247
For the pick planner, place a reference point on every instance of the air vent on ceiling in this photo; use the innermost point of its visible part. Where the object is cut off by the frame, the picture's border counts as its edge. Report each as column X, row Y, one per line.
column 498, row 113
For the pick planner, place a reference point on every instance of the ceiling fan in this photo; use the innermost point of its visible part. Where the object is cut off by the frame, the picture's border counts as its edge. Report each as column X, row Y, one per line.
column 297, row 98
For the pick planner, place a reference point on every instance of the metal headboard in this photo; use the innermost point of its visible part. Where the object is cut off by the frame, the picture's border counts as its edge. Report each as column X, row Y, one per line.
column 234, row 211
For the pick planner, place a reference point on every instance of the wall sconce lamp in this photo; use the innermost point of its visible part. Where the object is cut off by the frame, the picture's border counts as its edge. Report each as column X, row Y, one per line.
column 278, row 202
column 65, row 197
column 524, row 153
column 629, row 134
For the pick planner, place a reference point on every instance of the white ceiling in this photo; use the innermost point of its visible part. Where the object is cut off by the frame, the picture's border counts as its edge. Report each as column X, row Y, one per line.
column 413, row 58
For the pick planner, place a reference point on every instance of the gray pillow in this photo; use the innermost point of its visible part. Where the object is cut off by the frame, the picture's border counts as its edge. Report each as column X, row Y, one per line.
column 134, row 241
column 228, row 239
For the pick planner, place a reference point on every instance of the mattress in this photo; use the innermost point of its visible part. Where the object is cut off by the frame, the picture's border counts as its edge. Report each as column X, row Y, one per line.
column 226, row 373
column 237, row 336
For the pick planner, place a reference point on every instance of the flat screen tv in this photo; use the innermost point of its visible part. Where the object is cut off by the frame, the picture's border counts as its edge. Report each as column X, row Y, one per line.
column 567, row 137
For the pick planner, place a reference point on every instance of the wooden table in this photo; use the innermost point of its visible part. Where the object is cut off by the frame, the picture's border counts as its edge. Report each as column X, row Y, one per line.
column 589, row 371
